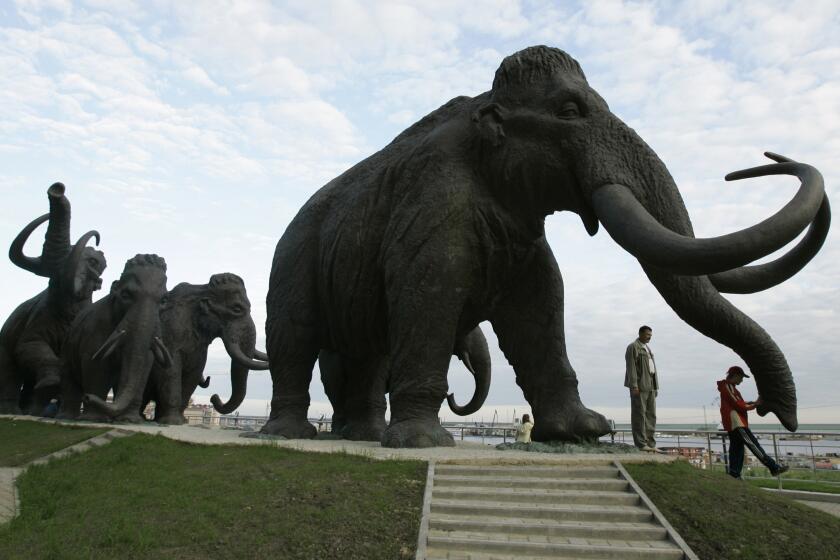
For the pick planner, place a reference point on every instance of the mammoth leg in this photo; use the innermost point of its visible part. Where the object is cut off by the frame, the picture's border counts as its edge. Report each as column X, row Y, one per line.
column 291, row 373
column 529, row 324
column 334, row 379
column 38, row 357
column 172, row 393
column 11, row 380
column 70, row 403
column 422, row 325
column 364, row 398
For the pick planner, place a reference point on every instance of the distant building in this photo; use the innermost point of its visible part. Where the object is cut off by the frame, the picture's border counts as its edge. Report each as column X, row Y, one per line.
column 201, row 414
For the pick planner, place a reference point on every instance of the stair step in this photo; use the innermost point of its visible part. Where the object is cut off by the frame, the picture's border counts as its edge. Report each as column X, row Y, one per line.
column 531, row 496
column 577, row 548
column 531, row 471
column 547, row 527
column 606, row 484
column 578, row 512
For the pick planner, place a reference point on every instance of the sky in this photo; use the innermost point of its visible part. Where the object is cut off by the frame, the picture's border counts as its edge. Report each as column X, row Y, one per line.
column 196, row 130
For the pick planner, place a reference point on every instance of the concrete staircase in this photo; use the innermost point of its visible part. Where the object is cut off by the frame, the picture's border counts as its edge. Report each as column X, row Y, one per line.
column 477, row 512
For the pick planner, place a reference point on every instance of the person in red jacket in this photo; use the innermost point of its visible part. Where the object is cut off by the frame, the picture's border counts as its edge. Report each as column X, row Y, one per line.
column 733, row 413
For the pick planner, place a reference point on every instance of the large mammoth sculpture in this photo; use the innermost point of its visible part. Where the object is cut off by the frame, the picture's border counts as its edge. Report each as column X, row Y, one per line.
column 357, row 395
column 192, row 317
column 113, row 343
column 444, row 228
column 31, row 338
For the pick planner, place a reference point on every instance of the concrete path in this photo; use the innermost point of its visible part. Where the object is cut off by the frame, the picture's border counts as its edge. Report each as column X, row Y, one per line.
column 470, row 451
column 823, row 501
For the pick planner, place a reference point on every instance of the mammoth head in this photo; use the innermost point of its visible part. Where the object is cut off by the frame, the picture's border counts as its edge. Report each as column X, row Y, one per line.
column 226, row 312
column 142, row 283
column 135, row 340
column 224, row 301
column 548, row 142
column 74, row 271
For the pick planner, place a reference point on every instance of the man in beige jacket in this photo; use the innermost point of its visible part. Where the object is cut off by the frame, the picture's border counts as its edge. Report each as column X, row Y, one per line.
column 641, row 378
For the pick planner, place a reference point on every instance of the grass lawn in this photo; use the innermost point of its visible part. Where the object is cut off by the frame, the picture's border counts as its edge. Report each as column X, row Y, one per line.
column 22, row 441
column 722, row 518
column 149, row 497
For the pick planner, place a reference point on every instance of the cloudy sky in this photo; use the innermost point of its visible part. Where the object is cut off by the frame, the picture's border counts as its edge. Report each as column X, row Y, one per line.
column 195, row 130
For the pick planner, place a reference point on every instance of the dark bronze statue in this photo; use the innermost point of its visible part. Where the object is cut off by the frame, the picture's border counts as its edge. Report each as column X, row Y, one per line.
column 113, row 344
column 357, row 393
column 409, row 250
column 192, row 317
column 32, row 337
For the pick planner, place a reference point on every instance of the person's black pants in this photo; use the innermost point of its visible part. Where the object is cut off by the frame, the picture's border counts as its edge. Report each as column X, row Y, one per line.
column 740, row 437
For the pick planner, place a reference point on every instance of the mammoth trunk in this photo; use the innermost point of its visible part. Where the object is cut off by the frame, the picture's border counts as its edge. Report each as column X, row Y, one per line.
column 136, row 358
column 239, row 340
column 238, row 385
column 699, row 304
column 57, row 239
column 474, row 352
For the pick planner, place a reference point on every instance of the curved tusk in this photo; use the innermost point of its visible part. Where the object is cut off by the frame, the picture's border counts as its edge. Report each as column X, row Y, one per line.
column 236, row 354
column 632, row 226
column 32, row 264
column 751, row 279
column 260, row 355
column 161, row 352
column 72, row 262
column 111, row 343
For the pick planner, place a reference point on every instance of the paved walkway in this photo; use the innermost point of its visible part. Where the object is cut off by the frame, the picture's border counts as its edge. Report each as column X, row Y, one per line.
column 469, row 451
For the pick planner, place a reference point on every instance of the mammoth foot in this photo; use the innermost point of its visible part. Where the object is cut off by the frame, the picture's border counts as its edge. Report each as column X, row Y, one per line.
column 364, row 430
column 91, row 416
column 174, row 419
column 417, row 433
column 576, row 424
column 130, row 418
column 9, row 407
column 290, row 428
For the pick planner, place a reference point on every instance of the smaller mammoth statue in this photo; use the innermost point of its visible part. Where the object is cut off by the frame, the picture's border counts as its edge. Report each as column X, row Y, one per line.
column 114, row 344
column 31, row 338
column 358, row 398
column 193, row 316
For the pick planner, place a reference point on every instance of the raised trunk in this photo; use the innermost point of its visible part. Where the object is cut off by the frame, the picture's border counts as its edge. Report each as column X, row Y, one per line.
column 57, row 240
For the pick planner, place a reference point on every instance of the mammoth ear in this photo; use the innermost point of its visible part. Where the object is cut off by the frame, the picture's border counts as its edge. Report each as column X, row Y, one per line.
column 490, row 120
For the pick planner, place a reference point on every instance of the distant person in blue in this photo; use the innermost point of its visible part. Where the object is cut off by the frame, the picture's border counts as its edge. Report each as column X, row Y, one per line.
column 733, row 414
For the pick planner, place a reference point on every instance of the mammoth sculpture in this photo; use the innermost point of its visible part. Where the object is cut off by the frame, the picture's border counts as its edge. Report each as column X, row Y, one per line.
column 113, row 343
column 192, row 317
column 358, row 398
column 32, row 337
column 399, row 257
